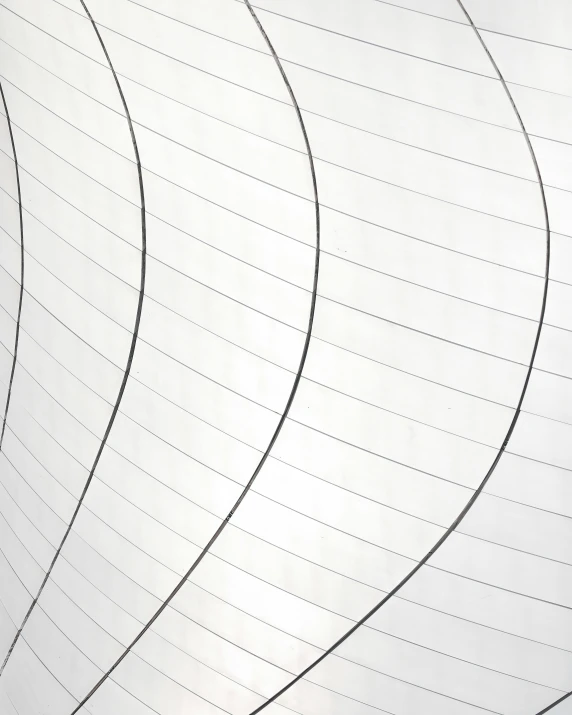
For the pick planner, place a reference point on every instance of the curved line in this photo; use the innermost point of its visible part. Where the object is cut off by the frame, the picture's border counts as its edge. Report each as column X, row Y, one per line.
column 279, row 101
column 511, row 428
column 315, row 27
column 20, row 299
column 284, row 415
column 554, row 704
column 483, row 29
column 131, row 349
column 234, row 607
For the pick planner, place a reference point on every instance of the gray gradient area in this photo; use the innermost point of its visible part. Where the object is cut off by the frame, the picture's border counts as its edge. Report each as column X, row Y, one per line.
column 286, row 357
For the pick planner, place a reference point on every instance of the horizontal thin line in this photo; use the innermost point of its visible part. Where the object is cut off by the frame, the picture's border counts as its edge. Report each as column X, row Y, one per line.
column 285, row 632
column 260, row 93
column 348, row 37
column 309, row 517
column 482, row 29
column 287, row 191
column 279, row 588
column 175, row 59
column 310, row 427
column 316, row 27
column 259, row 404
column 272, row 141
column 235, row 644
column 273, row 275
column 84, row 612
column 202, row 327
column 395, row 323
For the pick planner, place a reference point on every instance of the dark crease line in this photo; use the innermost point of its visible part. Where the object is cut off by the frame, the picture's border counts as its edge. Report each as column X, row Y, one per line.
column 483, row 29
column 285, row 235
column 421, row 12
column 286, row 146
column 355, row 398
column 256, row 355
column 273, row 627
column 21, row 293
column 335, row 255
column 349, row 307
column 208, row 157
column 284, row 415
column 292, row 509
column 316, row 27
column 554, row 704
column 131, row 350
column 70, row 599
column 72, row 641
column 251, row 615
column 501, row 545
column 273, row 275
column 327, row 387
column 261, row 94
column 364, row 267
column 310, row 427
column 510, row 431
column 196, row 585
column 217, row 635
column 349, row 37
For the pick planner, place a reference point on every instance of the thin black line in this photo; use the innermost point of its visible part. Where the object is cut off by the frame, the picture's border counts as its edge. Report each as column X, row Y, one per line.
column 427, row 14
column 335, row 255
column 483, row 29
column 249, row 614
column 271, row 626
column 264, row 622
column 261, row 357
column 349, row 307
column 331, row 208
column 327, row 387
column 555, row 703
column 73, row 643
column 131, row 350
column 510, row 431
column 344, row 575
column 21, row 293
column 386, row 182
column 304, row 289
column 250, row 220
column 273, row 275
column 284, row 415
column 277, row 143
column 355, row 39
column 68, row 597
column 262, row 495
column 296, row 421
column 265, row 407
column 261, row 94
column 404, row 188
column 316, row 27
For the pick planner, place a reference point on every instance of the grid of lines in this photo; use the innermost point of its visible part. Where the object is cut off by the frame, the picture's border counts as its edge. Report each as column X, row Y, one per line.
column 285, row 357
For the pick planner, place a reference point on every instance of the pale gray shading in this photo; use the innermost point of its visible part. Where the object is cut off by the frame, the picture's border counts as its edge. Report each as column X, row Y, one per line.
column 431, row 278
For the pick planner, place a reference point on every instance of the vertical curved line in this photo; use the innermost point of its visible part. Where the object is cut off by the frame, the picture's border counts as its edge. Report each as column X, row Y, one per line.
column 511, row 428
column 20, row 299
column 291, row 397
column 131, row 349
